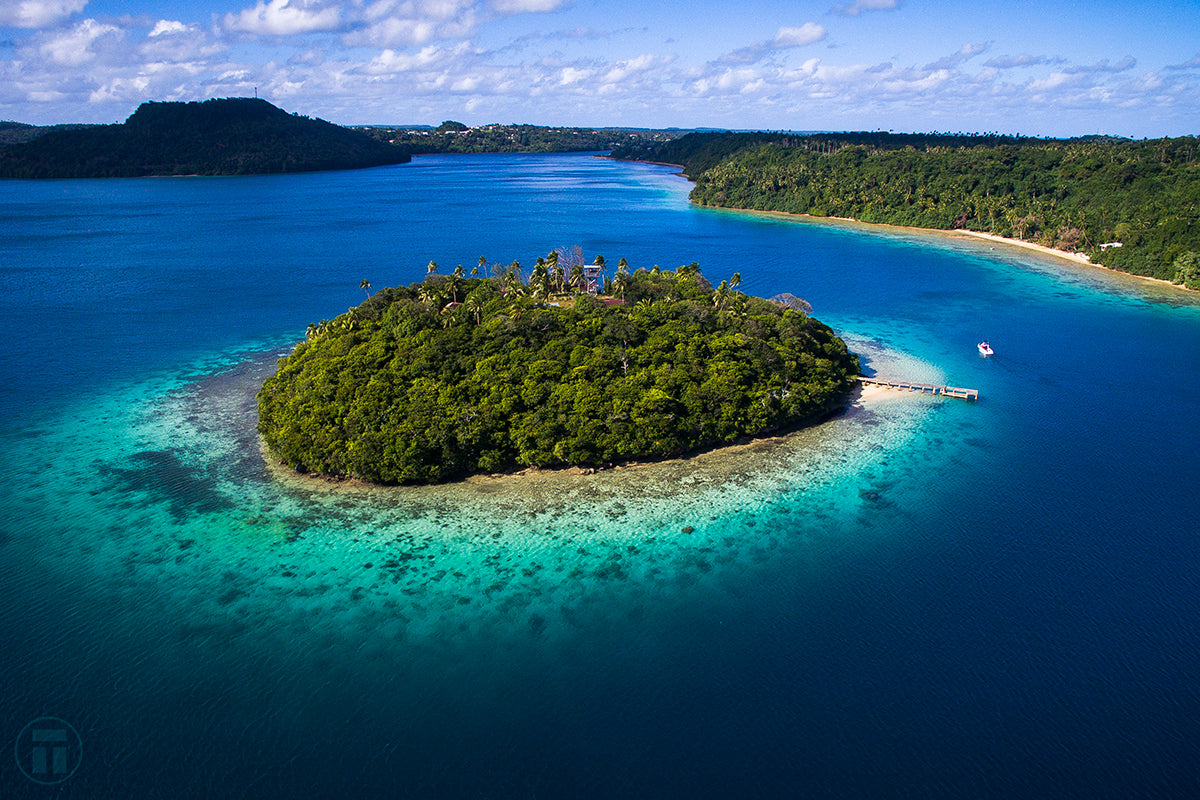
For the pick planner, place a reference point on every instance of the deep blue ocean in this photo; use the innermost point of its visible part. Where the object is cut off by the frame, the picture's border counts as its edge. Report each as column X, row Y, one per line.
column 921, row 598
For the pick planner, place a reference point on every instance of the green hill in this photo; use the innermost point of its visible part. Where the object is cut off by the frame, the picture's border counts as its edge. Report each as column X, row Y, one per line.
column 234, row 136
column 456, row 376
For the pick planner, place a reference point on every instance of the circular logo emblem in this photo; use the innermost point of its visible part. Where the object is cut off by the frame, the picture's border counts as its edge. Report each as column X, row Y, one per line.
column 48, row 750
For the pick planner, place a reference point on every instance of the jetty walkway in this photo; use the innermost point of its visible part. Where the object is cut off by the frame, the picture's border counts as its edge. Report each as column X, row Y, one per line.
column 924, row 388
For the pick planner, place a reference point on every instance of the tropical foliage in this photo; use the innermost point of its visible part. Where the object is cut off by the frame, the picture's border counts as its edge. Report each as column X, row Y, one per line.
column 454, row 137
column 235, row 136
column 1087, row 195
column 415, row 387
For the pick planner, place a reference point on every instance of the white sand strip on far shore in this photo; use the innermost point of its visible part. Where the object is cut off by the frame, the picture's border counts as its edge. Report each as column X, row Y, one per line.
column 959, row 233
column 1079, row 258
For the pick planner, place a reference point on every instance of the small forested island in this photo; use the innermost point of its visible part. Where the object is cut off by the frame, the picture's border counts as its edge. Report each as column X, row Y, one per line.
column 501, row 369
column 1129, row 205
column 231, row 136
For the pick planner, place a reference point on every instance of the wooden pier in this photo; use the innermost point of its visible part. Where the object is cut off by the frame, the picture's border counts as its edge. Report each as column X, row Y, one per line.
column 924, row 388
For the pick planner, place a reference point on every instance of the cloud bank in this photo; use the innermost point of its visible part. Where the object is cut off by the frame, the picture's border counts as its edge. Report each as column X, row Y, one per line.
column 379, row 61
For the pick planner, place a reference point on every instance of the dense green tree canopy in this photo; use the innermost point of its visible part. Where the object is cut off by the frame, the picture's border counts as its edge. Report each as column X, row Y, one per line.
column 234, row 136
column 1078, row 195
column 454, row 137
column 415, row 387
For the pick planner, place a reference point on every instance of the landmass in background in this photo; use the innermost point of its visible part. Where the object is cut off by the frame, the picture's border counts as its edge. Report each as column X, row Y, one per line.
column 1133, row 206
column 1130, row 205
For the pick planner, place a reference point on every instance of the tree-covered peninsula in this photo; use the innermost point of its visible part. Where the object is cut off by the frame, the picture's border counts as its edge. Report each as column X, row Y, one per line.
column 1129, row 205
column 233, row 136
column 561, row 365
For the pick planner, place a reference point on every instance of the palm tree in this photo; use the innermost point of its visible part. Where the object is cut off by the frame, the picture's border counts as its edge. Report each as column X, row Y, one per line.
column 735, row 280
column 429, row 296
column 621, row 283
column 366, row 287
column 720, row 295
column 473, row 306
column 539, row 280
column 622, row 267
column 512, row 281
column 474, row 272
column 599, row 263
column 459, row 272
column 431, row 268
column 577, row 277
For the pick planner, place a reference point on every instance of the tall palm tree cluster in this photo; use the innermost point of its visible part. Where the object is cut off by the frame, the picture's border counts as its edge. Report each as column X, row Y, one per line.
column 559, row 275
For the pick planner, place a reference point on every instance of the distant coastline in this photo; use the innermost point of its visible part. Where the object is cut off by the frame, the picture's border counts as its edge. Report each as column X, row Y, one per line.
column 1078, row 259
column 1129, row 205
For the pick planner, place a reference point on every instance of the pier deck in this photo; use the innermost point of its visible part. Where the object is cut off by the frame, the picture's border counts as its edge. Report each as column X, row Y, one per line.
column 924, row 388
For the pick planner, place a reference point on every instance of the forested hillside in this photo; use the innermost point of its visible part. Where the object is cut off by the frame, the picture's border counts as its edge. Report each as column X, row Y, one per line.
column 458, row 375
column 17, row 132
column 454, row 137
column 235, row 136
column 1130, row 205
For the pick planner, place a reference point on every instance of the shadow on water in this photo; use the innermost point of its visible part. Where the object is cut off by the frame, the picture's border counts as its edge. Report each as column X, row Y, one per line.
column 161, row 474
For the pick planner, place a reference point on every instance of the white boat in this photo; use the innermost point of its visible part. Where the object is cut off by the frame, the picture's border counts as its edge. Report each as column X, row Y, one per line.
column 985, row 349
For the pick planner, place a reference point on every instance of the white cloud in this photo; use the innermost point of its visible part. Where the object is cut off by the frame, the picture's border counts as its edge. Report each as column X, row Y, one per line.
column 392, row 62
column 121, row 89
column 964, row 54
column 38, row 13
column 570, row 76
column 624, row 70
column 859, row 6
column 1191, row 63
column 1127, row 63
column 76, row 46
column 391, row 23
column 525, row 6
column 285, row 18
column 166, row 27
column 391, row 32
column 409, row 60
column 172, row 43
column 785, row 38
column 807, row 33
column 1022, row 60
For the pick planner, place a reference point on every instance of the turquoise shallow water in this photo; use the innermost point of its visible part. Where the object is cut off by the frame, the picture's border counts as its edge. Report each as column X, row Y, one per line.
column 920, row 597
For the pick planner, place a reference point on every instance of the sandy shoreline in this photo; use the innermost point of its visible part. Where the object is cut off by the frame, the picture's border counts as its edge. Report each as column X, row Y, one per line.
column 645, row 479
column 1076, row 258
column 959, row 234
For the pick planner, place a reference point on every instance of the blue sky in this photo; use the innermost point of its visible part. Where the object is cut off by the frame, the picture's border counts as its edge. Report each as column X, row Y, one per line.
column 1045, row 68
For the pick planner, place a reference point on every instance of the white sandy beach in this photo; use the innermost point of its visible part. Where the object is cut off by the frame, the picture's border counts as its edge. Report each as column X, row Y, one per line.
column 1079, row 259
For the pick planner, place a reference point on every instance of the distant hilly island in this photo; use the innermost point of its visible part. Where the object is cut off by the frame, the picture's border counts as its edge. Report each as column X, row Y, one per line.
column 230, row 136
